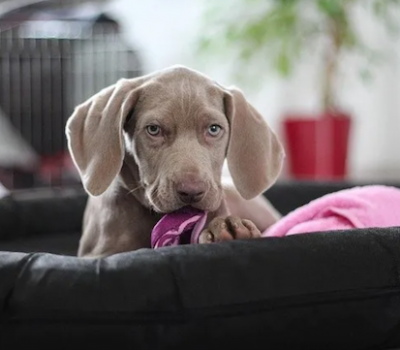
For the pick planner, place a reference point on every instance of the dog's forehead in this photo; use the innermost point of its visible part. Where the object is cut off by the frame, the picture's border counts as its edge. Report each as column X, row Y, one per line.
column 182, row 87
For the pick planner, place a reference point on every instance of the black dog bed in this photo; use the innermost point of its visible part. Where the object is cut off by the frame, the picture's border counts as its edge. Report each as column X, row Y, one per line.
column 333, row 290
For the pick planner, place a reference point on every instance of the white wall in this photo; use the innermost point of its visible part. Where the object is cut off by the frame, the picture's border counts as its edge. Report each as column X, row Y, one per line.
column 164, row 30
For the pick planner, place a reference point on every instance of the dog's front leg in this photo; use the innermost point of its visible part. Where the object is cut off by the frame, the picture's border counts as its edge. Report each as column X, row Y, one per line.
column 258, row 210
column 237, row 218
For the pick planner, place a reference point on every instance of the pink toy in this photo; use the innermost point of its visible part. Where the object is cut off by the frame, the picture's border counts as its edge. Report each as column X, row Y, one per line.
column 180, row 227
column 357, row 207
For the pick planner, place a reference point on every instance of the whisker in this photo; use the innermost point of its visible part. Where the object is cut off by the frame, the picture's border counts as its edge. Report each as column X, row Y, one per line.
column 155, row 191
column 134, row 190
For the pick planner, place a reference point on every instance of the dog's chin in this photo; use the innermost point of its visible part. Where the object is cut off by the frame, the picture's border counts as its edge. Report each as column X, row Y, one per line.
column 208, row 205
column 165, row 207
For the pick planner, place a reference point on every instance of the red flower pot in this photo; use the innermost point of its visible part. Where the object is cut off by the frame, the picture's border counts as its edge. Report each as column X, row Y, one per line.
column 317, row 146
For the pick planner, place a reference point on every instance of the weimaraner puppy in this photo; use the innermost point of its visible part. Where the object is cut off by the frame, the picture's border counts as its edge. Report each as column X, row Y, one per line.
column 150, row 145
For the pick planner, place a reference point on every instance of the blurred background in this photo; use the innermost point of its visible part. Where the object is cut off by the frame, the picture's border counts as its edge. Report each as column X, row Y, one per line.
column 325, row 74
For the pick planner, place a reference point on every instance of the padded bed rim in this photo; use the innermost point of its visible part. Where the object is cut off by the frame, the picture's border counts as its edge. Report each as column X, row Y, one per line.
column 334, row 283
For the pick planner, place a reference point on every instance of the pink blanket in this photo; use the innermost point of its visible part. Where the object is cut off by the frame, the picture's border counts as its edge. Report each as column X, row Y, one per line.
column 357, row 207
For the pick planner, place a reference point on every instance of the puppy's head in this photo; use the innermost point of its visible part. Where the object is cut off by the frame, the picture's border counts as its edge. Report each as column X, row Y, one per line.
column 178, row 126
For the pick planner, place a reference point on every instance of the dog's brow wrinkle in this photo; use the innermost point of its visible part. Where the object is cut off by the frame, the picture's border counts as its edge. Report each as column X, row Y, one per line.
column 182, row 93
column 186, row 91
column 189, row 90
column 186, row 96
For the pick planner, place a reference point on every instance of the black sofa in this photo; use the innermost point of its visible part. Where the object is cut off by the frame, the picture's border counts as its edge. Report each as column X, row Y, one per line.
column 329, row 290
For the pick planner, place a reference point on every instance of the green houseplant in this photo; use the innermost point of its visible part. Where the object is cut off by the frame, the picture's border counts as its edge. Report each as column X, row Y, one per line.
column 279, row 33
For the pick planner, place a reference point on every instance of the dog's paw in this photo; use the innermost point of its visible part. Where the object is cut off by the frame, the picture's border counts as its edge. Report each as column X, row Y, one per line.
column 228, row 228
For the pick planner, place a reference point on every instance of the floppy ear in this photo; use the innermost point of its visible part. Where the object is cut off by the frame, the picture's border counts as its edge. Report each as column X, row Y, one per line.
column 94, row 134
column 255, row 155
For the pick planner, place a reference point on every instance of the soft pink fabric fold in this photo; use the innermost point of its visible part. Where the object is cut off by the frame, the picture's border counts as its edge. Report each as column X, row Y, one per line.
column 357, row 207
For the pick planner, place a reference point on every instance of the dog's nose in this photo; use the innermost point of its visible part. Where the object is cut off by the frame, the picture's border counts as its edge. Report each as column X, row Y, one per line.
column 191, row 191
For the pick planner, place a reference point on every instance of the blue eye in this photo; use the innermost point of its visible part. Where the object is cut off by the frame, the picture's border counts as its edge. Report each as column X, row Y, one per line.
column 153, row 130
column 214, row 130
